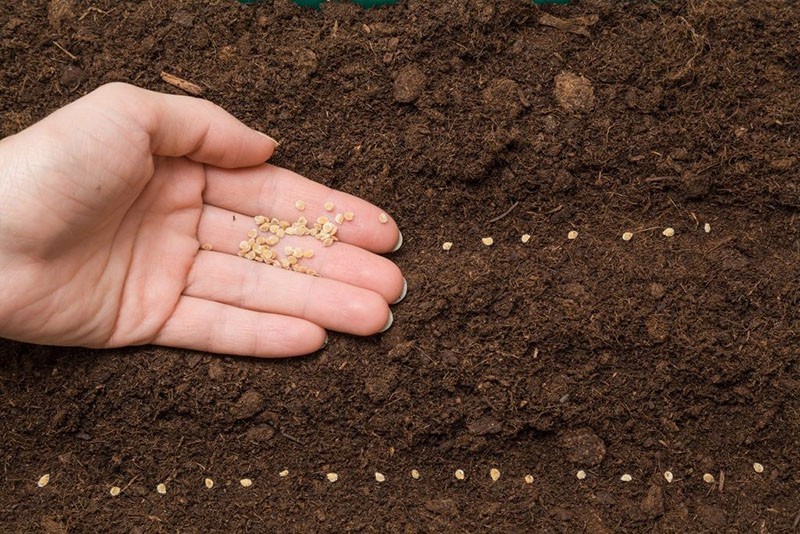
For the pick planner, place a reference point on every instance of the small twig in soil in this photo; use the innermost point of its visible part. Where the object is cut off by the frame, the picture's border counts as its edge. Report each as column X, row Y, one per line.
column 291, row 438
column 721, row 480
column 183, row 85
column 509, row 210
column 72, row 56
column 796, row 521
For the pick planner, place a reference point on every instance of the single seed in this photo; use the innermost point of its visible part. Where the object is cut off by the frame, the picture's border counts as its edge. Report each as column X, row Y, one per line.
column 459, row 474
column 581, row 474
column 707, row 228
column 246, row 482
column 327, row 241
column 114, row 491
column 528, row 479
column 526, row 238
column 572, row 235
column 708, row 478
column 252, row 233
column 626, row 478
column 328, row 206
column 627, row 236
column 378, row 476
column 383, row 218
column 284, row 473
column 272, row 240
column 332, row 477
column 260, row 240
column 250, row 255
column 300, row 205
column 447, row 245
column 311, row 272
column 327, row 227
column 495, row 474
column 207, row 246
column 668, row 476
column 288, row 250
column 260, row 219
column 415, row 474
column 339, row 218
column 162, row 488
column 322, row 220
column 43, row 481
column 241, row 253
column 308, row 253
column 758, row 468
column 297, row 253
column 280, row 233
column 264, row 227
column 209, row 483
column 349, row 216
column 292, row 260
column 488, row 241
column 244, row 245
column 668, row 232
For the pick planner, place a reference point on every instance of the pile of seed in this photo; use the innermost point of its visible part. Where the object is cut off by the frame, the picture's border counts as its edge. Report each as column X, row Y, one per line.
column 261, row 242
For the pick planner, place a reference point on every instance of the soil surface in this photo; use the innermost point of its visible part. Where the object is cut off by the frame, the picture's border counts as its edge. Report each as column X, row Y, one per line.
column 463, row 120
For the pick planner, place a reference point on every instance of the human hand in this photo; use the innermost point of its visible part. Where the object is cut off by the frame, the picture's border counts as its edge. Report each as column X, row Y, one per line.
column 103, row 208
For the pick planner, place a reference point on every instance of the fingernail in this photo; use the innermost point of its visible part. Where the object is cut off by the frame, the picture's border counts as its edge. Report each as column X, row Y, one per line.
column 324, row 343
column 399, row 242
column 402, row 293
column 277, row 144
column 388, row 323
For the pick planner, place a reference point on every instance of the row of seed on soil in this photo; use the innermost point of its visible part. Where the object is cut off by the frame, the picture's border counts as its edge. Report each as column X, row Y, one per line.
column 573, row 234
column 459, row 474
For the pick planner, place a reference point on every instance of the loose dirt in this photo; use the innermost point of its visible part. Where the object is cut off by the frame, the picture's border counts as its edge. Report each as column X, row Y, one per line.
column 537, row 358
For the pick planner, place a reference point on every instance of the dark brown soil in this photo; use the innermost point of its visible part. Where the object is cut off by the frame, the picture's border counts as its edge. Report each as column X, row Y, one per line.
column 543, row 358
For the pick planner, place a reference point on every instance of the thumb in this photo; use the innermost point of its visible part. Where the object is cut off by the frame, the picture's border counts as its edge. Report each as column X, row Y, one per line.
column 186, row 126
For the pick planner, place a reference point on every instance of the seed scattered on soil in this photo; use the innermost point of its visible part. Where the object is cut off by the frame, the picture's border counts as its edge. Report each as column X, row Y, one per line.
column 495, row 474
column 284, row 473
column 332, row 477
column 162, row 489
column 246, row 482
column 626, row 478
column 528, row 479
column 708, row 478
column 707, row 228
column 581, row 474
column 526, row 238
column 668, row 476
column 572, row 234
column 349, row 216
column 379, row 477
column 43, row 481
column 627, row 236
column 114, row 491
column 459, row 474
column 207, row 246
column 758, row 468
column 488, row 241
column 447, row 245
column 328, row 206
column 209, row 483
column 300, row 205
column 383, row 218
column 668, row 232
column 415, row 474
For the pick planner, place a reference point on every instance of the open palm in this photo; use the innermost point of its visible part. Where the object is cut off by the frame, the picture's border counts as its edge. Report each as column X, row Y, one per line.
column 104, row 206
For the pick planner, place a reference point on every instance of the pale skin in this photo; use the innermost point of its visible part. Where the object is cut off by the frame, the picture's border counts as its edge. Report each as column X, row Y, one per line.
column 104, row 206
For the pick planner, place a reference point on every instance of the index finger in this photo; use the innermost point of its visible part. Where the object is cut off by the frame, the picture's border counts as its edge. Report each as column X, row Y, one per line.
column 277, row 192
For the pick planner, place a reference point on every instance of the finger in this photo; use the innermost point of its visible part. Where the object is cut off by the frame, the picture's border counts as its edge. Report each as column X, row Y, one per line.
column 200, row 324
column 273, row 191
column 186, row 126
column 331, row 304
column 224, row 231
